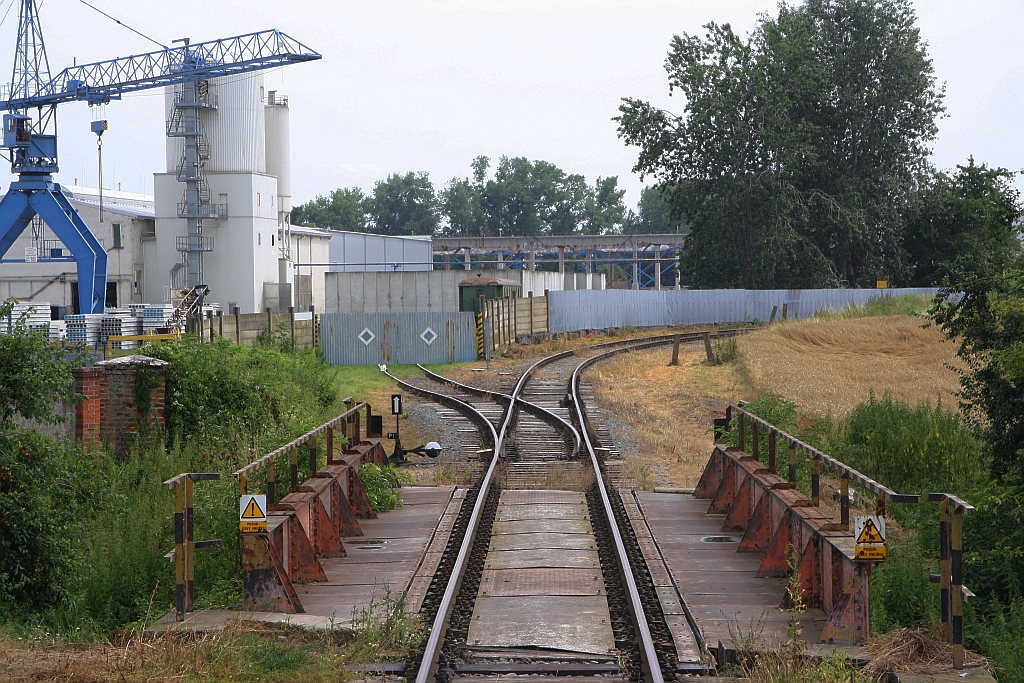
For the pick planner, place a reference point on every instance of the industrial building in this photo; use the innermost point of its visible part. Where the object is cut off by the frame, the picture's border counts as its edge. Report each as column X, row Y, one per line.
column 250, row 247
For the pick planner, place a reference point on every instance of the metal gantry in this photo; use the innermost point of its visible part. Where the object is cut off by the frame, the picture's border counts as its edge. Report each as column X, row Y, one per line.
column 31, row 137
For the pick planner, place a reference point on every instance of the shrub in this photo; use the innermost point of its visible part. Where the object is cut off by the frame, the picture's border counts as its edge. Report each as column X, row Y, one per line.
column 911, row 450
column 222, row 393
column 380, row 483
column 43, row 494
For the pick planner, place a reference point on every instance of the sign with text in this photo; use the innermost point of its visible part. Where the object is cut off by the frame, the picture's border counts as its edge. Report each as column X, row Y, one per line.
column 869, row 532
column 252, row 513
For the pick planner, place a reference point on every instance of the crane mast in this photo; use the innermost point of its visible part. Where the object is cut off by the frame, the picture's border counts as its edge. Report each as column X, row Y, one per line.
column 30, row 133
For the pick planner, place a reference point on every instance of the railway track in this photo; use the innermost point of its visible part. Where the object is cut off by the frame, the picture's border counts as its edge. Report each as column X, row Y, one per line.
column 543, row 573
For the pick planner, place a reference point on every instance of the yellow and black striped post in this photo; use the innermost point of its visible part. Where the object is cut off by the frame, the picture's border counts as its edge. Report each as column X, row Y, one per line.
column 815, row 480
column 271, row 483
column 179, row 551
column 956, row 560
column 190, row 548
column 295, row 469
column 944, row 568
column 312, row 456
column 844, row 502
column 480, row 336
column 792, row 463
column 771, row 452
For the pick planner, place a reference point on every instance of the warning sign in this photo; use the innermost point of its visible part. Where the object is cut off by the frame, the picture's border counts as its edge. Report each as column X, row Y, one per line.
column 870, row 534
column 252, row 513
column 875, row 553
column 870, row 530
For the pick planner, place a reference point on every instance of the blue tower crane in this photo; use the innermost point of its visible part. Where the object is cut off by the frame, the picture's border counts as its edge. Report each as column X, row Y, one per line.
column 30, row 137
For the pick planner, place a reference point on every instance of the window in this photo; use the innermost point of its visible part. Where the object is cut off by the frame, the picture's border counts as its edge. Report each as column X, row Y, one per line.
column 118, row 243
column 257, row 199
column 259, row 239
column 271, row 240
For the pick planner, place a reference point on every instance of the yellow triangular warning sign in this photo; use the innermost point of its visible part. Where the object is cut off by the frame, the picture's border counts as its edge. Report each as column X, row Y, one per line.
column 869, row 534
column 252, row 510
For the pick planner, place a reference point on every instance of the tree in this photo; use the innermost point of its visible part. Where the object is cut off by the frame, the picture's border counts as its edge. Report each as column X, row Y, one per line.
column 798, row 148
column 344, row 209
column 654, row 214
column 530, row 198
column 965, row 222
column 33, row 377
column 404, row 205
column 984, row 314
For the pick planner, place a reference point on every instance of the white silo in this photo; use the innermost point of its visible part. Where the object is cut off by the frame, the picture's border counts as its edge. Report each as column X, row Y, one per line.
column 235, row 129
column 279, row 147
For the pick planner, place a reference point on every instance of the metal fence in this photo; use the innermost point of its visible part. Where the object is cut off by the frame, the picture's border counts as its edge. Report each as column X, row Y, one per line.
column 598, row 310
column 371, row 338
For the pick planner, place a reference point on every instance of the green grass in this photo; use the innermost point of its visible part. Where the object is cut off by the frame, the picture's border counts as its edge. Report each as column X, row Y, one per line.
column 883, row 304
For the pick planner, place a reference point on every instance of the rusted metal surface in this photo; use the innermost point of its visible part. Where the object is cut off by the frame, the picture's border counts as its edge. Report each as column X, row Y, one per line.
column 379, row 563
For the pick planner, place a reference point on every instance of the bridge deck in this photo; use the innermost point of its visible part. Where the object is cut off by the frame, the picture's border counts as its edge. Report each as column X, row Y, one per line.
column 398, row 551
column 718, row 584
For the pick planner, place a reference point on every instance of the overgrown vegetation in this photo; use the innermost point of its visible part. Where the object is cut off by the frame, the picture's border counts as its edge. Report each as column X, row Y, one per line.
column 381, row 484
column 921, row 449
column 82, row 536
column 905, row 304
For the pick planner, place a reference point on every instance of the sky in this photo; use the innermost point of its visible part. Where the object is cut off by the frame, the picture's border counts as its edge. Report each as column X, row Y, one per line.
column 427, row 85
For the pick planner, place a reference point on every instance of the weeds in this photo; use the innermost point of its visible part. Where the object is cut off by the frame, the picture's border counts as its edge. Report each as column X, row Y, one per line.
column 384, row 629
column 724, row 351
column 380, row 483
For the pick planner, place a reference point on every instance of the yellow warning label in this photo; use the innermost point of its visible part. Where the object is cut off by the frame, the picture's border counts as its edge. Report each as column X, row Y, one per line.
column 252, row 515
column 870, row 533
column 876, row 553
column 252, row 510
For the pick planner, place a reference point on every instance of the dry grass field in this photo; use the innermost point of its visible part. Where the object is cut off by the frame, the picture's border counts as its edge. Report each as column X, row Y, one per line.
column 826, row 366
column 829, row 366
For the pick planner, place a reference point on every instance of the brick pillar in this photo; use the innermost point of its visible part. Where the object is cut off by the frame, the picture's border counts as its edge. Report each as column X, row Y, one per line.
column 109, row 413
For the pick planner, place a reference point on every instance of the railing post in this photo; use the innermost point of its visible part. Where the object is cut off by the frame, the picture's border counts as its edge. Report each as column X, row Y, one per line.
column 312, row 456
column 271, row 483
column 295, row 469
column 330, row 446
column 743, row 431
column 755, row 440
column 771, row 451
column 792, row 463
column 956, row 557
column 243, row 485
column 815, row 480
column 190, row 548
column 179, row 551
column 844, row 503
column 944, row 568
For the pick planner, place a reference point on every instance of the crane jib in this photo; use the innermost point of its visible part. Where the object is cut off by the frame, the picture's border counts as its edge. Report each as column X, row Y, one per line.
column 101, row 82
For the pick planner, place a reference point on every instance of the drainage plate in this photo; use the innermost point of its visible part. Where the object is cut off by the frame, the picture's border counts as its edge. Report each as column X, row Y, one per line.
column 718, row 539
column 369, row 545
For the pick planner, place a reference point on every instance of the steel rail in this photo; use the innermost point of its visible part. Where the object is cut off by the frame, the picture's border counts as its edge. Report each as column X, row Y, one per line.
column 437, row 629
column 542, row 413
column 633, row 593
column 429, row 662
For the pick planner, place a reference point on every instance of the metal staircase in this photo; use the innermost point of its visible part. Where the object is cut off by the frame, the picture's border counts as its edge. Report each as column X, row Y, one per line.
column 192, row 302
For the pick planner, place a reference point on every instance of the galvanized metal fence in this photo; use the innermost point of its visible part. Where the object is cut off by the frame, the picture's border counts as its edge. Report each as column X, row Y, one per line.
column 598, row 310
column 372, row 338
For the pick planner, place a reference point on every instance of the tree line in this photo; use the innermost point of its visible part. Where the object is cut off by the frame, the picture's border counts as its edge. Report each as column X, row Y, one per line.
column 520, row 197
column 801, row 156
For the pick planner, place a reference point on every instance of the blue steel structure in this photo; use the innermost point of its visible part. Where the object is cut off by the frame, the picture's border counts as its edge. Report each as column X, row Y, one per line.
column 31, row 139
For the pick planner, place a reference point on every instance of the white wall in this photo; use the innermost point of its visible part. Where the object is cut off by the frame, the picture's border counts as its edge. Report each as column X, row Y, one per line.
column 245, row 250
column 358, row 248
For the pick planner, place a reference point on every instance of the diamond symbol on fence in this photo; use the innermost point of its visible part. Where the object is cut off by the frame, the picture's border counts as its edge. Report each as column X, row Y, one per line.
column 366, row 336
column 428, row 336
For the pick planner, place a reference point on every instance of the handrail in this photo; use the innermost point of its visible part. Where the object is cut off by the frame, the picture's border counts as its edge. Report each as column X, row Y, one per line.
column 830, row 463
column 295, row 443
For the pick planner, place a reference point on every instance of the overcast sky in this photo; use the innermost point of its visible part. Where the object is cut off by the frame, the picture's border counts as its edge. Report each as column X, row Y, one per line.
column 427, row 85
